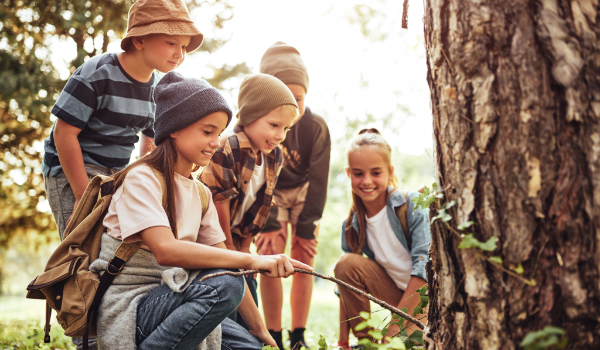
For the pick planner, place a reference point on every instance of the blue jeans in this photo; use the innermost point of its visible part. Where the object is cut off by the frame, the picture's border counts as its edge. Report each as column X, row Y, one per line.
column 170, row 320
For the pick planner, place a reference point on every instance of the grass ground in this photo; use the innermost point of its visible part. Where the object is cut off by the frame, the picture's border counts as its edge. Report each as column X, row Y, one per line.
column 22, row 320
column 22, row 325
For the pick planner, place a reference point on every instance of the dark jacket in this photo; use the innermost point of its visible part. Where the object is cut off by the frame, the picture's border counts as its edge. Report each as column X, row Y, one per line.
column 306, row 152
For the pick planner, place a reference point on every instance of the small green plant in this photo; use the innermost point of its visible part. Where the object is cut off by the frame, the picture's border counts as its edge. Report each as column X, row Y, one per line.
column 322, row 343
column 401, row 340
column 424, row 300
column 427, row 197
column 548, row 338
column 468, row 241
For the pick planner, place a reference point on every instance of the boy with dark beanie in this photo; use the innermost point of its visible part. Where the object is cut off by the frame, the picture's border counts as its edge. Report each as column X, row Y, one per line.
column 244, row 170
column 300, row 195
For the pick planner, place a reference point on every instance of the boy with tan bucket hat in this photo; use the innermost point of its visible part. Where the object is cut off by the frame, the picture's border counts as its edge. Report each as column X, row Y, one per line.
column 108, row 101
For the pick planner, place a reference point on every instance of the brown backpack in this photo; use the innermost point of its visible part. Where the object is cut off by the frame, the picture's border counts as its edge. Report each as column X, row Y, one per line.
column 67, row 285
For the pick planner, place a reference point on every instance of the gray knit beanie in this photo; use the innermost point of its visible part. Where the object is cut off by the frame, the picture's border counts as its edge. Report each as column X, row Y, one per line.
column 260, row 94
column 181, row 101
column 284, row 62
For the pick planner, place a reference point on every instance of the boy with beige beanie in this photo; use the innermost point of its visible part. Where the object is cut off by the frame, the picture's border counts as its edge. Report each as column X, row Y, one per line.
column 300, row 195
column 243, row 172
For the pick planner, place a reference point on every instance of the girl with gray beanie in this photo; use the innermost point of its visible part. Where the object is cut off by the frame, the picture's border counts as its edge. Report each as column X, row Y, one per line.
column 158, row 300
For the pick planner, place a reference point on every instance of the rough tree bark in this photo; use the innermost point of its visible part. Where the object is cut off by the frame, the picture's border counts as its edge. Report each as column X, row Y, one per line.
column 515, row 94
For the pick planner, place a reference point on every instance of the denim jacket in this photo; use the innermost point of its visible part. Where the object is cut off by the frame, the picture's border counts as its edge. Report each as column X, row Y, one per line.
column 418, row 224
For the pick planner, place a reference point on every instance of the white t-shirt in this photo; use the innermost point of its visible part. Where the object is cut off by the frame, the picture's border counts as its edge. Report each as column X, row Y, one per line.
column 137, row 205
column 388, row 250
column 258, row 179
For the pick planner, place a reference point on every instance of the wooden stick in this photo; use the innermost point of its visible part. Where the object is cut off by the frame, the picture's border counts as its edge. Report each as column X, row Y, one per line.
column 332, row 279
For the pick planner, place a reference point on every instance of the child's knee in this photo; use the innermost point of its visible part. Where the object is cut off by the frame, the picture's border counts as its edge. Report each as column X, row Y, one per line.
column 230, row 289
column 346, row 264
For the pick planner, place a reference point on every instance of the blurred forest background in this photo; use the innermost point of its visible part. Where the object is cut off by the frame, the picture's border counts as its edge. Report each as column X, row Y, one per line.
column 33, row 34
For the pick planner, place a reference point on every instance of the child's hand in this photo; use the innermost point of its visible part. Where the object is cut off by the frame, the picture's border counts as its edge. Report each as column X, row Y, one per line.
column 265, row 337
column 277, row 266
column 309, row 246
column 266, row 243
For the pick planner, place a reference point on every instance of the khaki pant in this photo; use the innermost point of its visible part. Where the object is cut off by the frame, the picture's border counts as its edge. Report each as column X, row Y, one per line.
column 290, row 203
column 60, row 194
column 368, row 276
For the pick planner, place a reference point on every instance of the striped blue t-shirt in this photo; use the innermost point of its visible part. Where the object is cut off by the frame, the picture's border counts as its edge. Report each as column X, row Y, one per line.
column 110, row 108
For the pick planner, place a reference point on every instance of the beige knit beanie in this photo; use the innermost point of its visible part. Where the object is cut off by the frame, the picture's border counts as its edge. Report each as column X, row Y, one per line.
column 284, row 62
column 260, row 94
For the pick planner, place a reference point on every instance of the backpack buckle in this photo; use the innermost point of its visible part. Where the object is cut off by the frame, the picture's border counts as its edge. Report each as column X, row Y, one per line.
column 110, row 264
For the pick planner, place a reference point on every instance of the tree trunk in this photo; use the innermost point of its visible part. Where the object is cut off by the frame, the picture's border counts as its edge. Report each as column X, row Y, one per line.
column 515, row 94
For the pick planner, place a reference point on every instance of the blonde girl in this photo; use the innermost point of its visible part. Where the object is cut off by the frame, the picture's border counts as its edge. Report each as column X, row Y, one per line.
column 157, row 301
column 394, row 268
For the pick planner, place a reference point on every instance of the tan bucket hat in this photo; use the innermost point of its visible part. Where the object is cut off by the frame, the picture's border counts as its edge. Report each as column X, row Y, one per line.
column 161, row 17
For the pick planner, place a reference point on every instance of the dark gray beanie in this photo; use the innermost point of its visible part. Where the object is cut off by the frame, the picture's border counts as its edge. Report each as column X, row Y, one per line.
column 181, row 101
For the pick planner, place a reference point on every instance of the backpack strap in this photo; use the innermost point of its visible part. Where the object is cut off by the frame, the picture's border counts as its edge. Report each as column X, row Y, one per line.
column 199, row 186
column 402, row 212
column 203, row 196
column 47, row 326
column 114, row 267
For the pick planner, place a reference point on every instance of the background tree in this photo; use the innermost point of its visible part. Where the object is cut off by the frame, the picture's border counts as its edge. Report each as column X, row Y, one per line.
column 515, row 91
column 30, row 84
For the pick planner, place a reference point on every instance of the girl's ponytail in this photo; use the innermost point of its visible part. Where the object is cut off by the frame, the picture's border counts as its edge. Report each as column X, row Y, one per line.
column 366, row 137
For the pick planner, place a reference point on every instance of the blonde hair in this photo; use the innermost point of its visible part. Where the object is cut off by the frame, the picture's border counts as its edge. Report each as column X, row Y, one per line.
column 366, row 138
column 290, row 109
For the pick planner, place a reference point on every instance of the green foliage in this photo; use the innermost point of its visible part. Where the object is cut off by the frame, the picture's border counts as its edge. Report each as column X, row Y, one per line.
column 465, row 225
column 427, row 197
column 423, row 302
column 322, row 343
column 469, row 241
column 496, row 259
column 548, row 338
column 519, row 269
column 18, row 334
column 443, row 213
column 368, row 321
column 268, row 347
column 401, row 340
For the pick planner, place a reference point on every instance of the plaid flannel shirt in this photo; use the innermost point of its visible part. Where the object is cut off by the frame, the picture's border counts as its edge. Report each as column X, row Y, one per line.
column 228, row 175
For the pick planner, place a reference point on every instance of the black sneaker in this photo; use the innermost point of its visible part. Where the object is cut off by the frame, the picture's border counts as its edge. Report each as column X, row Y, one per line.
column 297, row 341
column 278, row 338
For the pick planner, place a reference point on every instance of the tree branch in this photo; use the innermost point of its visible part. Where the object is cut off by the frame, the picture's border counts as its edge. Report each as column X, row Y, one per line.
column 332, row 279
column 405, row 15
